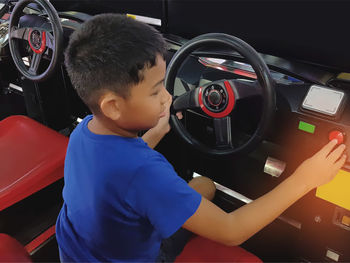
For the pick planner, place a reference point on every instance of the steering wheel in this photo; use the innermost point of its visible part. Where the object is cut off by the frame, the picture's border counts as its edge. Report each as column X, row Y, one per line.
column 40, row 39
column 218, row 99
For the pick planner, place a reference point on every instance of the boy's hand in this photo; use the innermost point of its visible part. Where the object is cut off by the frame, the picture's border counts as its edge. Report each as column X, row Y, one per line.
column 323, row 166
column 154, row 135
column 163, row 125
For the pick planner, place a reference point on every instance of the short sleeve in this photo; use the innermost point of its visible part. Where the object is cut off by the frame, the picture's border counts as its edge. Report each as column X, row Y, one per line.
column 160, row 195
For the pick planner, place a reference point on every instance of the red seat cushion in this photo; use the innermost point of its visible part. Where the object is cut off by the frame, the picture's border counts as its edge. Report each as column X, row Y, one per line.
column 31, row 157
column 200, row 249
column 11, row 250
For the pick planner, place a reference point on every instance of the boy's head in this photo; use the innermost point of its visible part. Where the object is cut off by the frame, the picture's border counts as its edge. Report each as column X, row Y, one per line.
column 112, row 54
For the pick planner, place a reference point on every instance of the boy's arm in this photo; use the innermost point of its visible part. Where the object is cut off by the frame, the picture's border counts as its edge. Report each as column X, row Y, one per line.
column 236, row 227
column 153, row 136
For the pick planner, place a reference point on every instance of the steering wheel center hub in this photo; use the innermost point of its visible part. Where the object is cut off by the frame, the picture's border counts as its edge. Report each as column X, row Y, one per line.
column 37, row 40
column 217, row 100
column 214, row 98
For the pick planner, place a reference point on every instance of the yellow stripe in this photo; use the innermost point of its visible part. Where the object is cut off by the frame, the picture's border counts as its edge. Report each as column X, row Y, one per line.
column 345, row 76
column 131, row 16
column 337, row 191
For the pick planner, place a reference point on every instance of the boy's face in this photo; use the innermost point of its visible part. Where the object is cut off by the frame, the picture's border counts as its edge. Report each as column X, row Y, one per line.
column 146, row 103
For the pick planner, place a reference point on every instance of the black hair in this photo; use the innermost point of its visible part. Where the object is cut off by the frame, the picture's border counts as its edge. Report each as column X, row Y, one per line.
column 110, row 51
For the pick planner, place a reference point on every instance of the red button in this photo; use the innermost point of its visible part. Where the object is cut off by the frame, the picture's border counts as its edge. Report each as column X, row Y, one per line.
column 337, row 135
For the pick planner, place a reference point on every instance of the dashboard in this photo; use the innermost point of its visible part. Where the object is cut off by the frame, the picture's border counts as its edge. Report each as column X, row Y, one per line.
column 303, row 123
column 317, row 226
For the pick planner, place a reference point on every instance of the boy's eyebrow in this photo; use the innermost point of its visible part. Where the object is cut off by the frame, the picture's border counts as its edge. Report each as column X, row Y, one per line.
column 155, row 85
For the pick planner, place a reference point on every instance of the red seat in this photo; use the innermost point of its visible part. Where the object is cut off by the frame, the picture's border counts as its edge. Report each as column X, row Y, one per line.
column 200, row 249
column 31, row 158
column 11, row 250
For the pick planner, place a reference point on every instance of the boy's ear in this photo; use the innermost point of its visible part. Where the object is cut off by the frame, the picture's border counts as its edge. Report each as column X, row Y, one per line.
column 110, row 105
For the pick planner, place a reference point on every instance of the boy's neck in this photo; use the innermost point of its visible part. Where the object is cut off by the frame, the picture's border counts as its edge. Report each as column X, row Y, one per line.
column 106, row 127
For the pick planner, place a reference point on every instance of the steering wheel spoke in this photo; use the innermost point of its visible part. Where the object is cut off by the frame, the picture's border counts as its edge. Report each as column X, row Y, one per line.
column 188, row 100
column 20, row 33
column 245, row 89
column 35, row 62
column 223, row 133
column 50, row 40
column 187, row 86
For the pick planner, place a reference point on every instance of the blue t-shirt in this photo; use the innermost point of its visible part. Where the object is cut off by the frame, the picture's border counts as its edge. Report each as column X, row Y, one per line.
column 121, row 198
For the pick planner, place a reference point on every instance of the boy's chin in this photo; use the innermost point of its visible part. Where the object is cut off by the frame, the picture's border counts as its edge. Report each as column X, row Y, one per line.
column 145, row 128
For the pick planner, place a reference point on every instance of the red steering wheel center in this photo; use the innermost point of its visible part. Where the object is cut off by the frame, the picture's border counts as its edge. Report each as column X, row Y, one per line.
column 213, row 107
column 37, row 40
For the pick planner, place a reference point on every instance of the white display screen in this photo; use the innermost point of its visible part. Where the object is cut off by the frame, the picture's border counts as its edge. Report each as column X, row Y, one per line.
column 323, row 100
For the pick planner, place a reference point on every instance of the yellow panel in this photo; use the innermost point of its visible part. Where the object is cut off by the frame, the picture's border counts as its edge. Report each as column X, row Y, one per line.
column 337, row 191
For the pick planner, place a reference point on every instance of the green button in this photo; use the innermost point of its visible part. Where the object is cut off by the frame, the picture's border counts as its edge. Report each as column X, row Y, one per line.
column 307, row 127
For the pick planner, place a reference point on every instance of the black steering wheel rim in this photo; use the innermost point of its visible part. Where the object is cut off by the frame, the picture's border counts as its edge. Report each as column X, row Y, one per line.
column 263, row 76
column 57, row 39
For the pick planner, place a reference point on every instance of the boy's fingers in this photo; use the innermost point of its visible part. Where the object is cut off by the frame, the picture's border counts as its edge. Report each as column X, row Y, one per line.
column 328, row 147
column 333, row 156
column 170, row 100
column 340, row 163
column 179, row 115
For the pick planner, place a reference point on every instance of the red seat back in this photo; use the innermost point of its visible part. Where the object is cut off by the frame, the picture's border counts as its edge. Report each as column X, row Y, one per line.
column 31, row 158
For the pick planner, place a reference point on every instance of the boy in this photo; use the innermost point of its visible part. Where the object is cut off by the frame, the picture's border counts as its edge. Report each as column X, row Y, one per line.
column 121, row 198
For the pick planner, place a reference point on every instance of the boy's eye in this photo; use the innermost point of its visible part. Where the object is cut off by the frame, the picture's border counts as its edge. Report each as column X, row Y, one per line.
column 156, row 92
